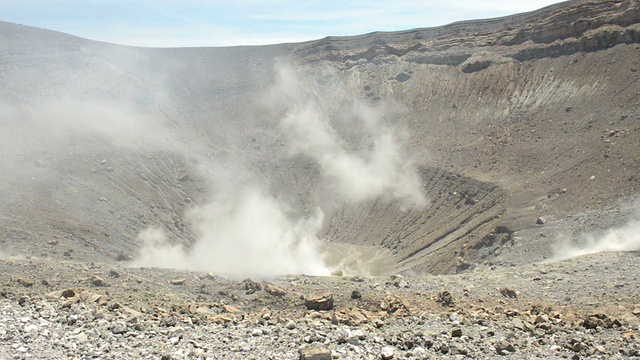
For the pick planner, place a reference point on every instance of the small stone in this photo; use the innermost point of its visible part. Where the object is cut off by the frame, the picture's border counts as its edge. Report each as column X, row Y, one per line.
column 356, row 294
column 98, row 281
column 123, row 257
column 357, row 334
column 445, row 298
column 577, row 347
column 392, row 304
column 419, row 352
column 177, row 281
column 503, row 347
column 290, row 325
column 398, row 281
column 25, row 282
column 95, row 298
column 231, row 309
column 518, row 324
column 541, row 221
column 66, row 293
column 457, row 332
column 224, row 318
column 256, row 332
column 509, row 293
column 251, row 286
column 387, row 353
column 118, row 329
column 315, row 352
column 23, row 300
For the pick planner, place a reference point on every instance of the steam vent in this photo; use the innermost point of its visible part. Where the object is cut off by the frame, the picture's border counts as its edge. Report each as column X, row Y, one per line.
column 401, row 175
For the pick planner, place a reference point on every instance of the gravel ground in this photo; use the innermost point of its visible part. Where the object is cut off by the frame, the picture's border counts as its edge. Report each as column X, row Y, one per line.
column 584, row 307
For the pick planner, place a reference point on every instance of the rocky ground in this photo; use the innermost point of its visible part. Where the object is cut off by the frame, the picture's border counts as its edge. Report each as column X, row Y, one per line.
column 587, row 307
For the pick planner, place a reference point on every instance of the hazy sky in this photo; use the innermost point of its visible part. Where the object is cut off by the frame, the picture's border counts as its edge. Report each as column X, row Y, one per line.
column 167, row 23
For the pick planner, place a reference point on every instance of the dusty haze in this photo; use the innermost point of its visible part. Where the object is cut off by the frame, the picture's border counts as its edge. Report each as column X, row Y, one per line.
column 246, row 231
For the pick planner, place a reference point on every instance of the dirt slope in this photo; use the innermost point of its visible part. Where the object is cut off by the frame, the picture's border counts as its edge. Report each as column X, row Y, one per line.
column 507, row 120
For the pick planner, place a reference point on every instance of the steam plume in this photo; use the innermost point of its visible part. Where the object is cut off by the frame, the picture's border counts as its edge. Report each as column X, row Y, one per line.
column 246, row 231
column 383, row 169
column 625, row 238
column 247, row 228
column 244, row 234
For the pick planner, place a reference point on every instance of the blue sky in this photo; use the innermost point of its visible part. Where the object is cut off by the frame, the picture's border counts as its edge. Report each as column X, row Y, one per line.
column 169, row 23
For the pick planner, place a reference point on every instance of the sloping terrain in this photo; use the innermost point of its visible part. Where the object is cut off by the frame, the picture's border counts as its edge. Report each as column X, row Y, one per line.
column 504, row 121
column 439, row 175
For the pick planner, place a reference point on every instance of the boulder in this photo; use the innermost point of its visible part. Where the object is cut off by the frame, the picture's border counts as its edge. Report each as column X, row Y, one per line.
column 315, row 352
column 274, row 290
column 319, row 301
column 251, row 286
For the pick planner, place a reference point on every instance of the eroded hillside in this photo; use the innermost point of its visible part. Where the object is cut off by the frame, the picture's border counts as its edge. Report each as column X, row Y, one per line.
column 500, row 123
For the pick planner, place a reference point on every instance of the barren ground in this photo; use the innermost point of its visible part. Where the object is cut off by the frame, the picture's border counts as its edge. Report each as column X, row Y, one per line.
column 523, row 134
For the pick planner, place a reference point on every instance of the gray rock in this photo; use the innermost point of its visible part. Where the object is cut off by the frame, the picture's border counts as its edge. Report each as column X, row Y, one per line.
column 290, row 325
column 118, row 329
column 251, row 286
column 98, row 281
column 518, row 324
column 445, row 298
column 387, row 353
column 355, row 336
column 177, row 281
column 509, row 293
column 504, row 347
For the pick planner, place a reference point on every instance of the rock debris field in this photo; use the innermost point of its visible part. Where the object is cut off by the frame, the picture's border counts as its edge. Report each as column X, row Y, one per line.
column 86, row 311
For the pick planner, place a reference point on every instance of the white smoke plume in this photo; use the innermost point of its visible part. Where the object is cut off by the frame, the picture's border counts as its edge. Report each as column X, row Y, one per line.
column 382, row 169
column 157, row 251
column 241, row 234
column 625, row 238
column 245, row 231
